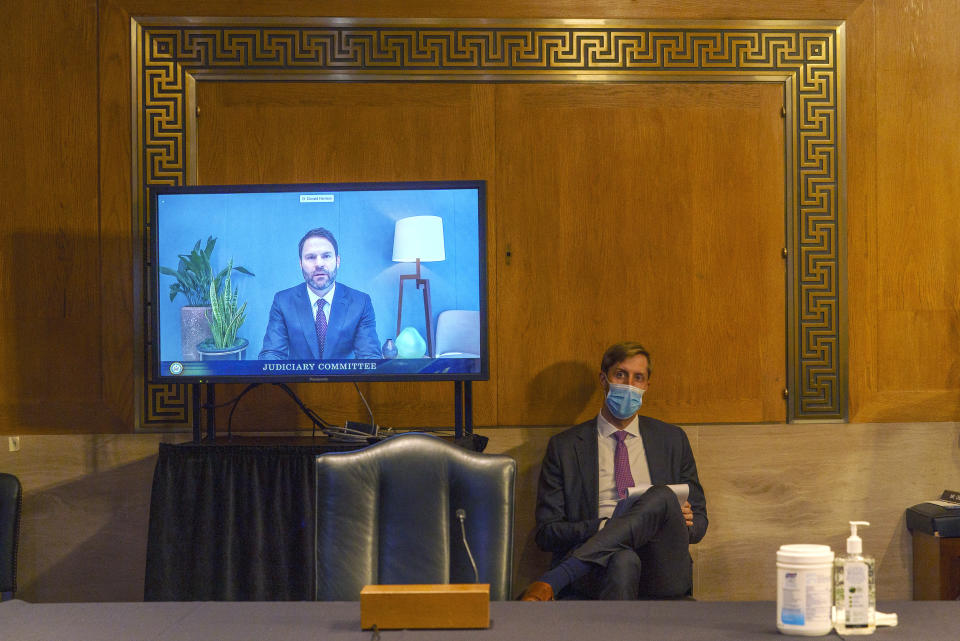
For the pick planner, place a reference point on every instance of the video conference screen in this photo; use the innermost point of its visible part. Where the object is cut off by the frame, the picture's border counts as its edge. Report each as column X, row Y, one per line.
column 320, row 282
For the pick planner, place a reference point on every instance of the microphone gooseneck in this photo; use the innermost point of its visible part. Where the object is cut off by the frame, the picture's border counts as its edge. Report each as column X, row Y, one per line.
column 462, row 517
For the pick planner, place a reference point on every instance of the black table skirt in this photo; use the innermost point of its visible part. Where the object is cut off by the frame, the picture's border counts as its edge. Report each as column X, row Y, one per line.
column 231, row 523
column 235, row 522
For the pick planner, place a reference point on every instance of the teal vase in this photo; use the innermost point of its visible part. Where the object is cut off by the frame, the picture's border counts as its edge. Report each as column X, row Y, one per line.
column 410, row 344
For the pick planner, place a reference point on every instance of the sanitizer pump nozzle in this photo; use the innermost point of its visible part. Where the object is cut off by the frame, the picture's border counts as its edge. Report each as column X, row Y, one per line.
column 854, row 542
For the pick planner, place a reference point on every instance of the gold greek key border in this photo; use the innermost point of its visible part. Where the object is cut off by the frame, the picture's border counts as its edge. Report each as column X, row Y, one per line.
column 170, row 54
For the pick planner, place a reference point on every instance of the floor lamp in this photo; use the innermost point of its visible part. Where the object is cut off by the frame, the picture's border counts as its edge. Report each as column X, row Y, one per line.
column 418, row 239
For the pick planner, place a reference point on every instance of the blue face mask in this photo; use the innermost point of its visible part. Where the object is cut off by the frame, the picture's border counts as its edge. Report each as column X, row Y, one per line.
column 623, row 401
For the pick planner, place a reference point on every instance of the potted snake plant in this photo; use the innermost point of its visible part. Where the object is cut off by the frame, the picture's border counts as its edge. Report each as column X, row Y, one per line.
column 225, row 318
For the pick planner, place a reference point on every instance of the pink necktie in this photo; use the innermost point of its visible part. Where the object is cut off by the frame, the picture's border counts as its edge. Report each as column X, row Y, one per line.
column 321, row 325
column 621, row 465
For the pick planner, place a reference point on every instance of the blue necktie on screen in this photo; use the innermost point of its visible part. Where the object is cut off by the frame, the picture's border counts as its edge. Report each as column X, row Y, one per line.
column 321, row 325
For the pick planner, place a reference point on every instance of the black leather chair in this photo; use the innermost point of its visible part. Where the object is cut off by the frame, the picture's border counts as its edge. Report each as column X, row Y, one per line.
column 386, row 515
column 11, row 496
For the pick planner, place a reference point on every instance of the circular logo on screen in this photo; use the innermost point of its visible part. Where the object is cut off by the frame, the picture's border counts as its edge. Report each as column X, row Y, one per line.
column 176, row 368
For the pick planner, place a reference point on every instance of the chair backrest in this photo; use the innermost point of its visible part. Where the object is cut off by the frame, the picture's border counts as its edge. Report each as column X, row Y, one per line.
column 386, row 515
column 11, row 496
column 458, row 333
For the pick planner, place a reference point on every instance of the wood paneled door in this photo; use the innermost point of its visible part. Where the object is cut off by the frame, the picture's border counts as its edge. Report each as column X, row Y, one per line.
column 650, row 212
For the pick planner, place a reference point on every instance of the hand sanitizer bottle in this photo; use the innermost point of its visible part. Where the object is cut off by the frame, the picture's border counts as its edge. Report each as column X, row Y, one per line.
column 855, row 587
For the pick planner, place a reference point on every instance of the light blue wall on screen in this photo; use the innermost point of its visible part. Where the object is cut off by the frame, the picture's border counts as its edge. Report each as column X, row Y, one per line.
column 261, row 231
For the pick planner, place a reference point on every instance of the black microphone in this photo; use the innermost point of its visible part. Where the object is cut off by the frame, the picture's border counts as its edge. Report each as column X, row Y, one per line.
column 462, row 517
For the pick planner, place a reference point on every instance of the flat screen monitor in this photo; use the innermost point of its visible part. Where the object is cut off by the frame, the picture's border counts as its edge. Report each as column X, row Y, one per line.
column 319, row 282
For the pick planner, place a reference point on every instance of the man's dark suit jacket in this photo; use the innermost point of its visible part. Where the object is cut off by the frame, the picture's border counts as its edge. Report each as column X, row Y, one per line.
column 292, row 334
column 568, row 500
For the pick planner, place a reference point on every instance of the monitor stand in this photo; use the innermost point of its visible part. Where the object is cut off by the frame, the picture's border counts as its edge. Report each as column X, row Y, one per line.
column 195, row 395
column 211, row 413
column 462, row 411
column 462, row 408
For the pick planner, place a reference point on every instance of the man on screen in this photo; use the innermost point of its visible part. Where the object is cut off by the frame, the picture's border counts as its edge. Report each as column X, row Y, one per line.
column 320, row 318
column 606, row 543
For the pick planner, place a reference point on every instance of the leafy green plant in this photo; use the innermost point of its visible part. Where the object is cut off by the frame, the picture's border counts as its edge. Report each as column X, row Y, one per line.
column 195, row 276
column 227, row 316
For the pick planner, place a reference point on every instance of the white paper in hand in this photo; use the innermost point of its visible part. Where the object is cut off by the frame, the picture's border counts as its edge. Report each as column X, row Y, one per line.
column 682, row 490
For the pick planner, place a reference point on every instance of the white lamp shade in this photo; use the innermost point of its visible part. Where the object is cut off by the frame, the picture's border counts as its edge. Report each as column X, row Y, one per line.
column 418, row 237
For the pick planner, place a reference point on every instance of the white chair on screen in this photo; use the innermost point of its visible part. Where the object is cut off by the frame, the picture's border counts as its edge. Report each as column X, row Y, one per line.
column 458, row 334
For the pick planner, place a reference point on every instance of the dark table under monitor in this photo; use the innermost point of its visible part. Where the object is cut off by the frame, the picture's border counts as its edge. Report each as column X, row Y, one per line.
column 509, row 621
column 234, row 520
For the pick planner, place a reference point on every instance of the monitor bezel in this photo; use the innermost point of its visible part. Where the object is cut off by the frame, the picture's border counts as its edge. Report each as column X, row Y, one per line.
column 155, row 289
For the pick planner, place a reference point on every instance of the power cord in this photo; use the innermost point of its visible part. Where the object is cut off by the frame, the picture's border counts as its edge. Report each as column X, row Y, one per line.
column 234, row 401
column 315, row 419
column 313, row 416
column 373, row 423
column 332, row 431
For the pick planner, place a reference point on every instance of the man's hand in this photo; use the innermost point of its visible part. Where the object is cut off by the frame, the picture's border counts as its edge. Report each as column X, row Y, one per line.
column 687, row 513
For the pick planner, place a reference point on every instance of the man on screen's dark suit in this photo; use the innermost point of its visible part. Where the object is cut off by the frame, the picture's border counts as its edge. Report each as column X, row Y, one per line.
column 605, row 547
column 349, row 328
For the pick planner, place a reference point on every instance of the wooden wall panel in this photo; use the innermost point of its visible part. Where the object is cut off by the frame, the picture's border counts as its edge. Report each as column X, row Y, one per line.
column 343, row 132
column 50, row 242
column 672, row 9
column 652, row 212
column 86, row 504
column 862, row 270
column 770, row 485
column 109, row 352
column 679, row 167
column 118, row 253
column 874, row 30
column 765, row 485
column 910, row 327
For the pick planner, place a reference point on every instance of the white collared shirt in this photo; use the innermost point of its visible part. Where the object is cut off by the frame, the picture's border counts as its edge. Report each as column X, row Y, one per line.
column 606, row 445
column 327, row 297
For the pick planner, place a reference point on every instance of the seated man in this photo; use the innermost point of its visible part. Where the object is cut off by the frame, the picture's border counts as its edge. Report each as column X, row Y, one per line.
column 641, row 551
column 320, row 318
